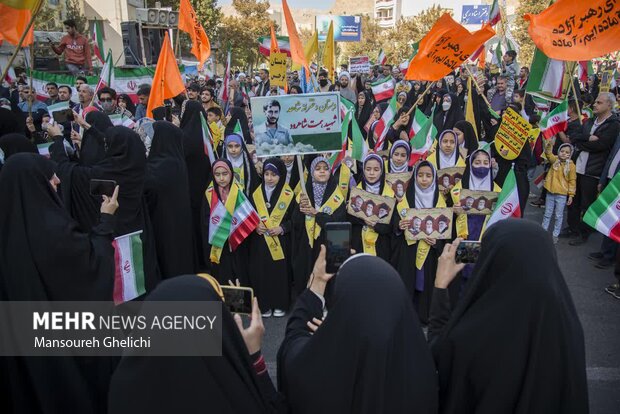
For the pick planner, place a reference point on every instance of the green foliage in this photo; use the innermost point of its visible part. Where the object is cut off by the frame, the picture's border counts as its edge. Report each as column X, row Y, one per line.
column 395, row 42
column 74, row 11
column 241, row 32
column 526, row 53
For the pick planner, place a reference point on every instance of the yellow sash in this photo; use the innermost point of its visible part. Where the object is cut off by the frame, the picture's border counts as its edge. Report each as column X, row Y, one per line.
column 462, row 230
column 216, row 252
column 273, row 220
column 333, row 202
column 343, row 179
column 239, row 174
column 423, row 246
column 369, row 235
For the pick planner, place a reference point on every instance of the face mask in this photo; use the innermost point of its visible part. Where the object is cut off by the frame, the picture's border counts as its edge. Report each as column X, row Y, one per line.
column 107, row 106
column 446, row 105
column 480, row 172
column 323, row 82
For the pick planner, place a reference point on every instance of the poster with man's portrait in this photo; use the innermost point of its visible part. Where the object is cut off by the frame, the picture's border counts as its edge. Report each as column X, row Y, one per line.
column 296, row 124
column 366, row 206
column 449, row 177
column 477, row 202
column 428, row 223
column 399, row 182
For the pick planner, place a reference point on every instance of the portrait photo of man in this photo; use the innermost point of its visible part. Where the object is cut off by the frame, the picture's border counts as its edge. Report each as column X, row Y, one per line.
column 271, row 132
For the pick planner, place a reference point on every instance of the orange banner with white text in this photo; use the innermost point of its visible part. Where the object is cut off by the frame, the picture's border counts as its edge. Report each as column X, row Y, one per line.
column 445, row 48
column 576, row 30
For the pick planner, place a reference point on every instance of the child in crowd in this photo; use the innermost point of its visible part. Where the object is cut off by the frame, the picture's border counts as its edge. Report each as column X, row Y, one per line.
column 560, row 183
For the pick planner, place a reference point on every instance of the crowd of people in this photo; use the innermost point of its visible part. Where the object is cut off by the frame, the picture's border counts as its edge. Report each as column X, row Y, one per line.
column 354, row 341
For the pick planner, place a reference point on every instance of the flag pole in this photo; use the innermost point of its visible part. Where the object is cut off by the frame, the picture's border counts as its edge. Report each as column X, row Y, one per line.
column 35, row 12
column 477, row 86
column 31, row 51
column 421, row 97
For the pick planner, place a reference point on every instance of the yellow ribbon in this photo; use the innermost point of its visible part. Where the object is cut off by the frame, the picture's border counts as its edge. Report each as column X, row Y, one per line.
column 273, row 220
column 334, row 201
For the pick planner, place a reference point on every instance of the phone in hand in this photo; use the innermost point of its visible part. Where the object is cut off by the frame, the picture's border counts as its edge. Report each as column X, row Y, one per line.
column 102, row 187
column 238, row 299
column 64, row 115
column 467, row 252
column 338, row 236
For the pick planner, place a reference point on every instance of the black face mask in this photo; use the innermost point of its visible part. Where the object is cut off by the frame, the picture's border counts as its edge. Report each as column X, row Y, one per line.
column 323, row 82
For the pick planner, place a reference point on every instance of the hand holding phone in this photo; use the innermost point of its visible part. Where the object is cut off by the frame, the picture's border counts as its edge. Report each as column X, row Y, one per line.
column 447, row 267
column 338, row 236
column 238, row 299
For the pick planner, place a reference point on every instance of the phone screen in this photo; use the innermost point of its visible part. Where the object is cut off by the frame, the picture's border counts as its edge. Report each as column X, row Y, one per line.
column 338, row 237
column 238, row 299
column 468, row 252
column 102, row 187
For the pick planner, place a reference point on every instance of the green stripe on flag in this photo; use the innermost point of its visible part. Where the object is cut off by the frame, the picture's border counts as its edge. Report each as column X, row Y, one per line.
column 603, row 202
column 138, row 263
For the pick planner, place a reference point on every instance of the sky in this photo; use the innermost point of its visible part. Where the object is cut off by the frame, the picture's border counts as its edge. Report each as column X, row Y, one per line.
column 316, row 4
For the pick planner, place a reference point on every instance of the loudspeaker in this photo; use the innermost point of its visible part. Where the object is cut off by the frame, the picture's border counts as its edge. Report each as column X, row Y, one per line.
column 152, row 38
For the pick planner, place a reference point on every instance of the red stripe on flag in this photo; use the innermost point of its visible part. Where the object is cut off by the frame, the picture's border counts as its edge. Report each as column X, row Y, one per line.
column 118, row 278
column 614, row 232
column 243, row 231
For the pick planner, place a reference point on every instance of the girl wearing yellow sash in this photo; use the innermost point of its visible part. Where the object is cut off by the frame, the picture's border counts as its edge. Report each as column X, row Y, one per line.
column 292, row 172
column 478, row 176
column 322, row 203
column 416, row 261
column 224, row 264
column 368, row 237
column 243, row 169
column 274, row 202
column 447, row 154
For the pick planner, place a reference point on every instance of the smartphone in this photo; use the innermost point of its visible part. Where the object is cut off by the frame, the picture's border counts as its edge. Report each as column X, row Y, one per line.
column 468, row 252
column 64, row 115
column 338, row 236
column 102, row 187
column 238, row 299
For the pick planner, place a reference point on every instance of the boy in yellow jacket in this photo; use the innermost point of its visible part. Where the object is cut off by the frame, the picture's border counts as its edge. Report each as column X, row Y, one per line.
column 560, row 184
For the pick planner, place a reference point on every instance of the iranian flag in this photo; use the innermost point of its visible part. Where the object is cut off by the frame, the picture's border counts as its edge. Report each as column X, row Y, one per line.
column 98, row 39
column 556, row 121
column 336, row 159
column 264, row 45
column 60, row 106
column 128, row 81
column 383, row 89
column 507, row 202
column 105, row 77
column 546, row 76
column 207, row 140
column 384, row 123
column 233, row 221
column 223, row 96
column 494, row 14
column 120, row 120
column 129, row 269
column 604, row 213
column 239, row 131
column 422, row 135
column 44, row 149
column 585, row 69
column 359, row 147
column 381, row 58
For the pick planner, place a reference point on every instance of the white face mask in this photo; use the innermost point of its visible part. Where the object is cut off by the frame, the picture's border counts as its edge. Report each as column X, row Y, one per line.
column 446, row 105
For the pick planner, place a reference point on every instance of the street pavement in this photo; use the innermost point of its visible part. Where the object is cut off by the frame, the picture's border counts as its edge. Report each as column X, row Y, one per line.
column 598, row 311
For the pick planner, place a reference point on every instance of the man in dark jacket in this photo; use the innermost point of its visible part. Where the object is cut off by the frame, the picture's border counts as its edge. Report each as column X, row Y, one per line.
column 594, row 144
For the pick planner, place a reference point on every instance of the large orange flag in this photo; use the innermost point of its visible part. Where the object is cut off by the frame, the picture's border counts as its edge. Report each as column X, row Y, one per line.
column 14, row 18
column 167, row 81
column 576, row 29
column 445, row 48
column 188, row 22
column 274, row 48
column 297, row 51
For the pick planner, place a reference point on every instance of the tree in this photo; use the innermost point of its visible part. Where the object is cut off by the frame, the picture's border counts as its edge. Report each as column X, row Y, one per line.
column 242, row 32
column 75, row 12
column 521, row 35
column 49, row 19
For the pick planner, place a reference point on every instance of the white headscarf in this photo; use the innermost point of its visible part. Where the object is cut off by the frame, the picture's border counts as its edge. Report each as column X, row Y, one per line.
column 425, row 197
column 480, row 184
column 447, row 161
